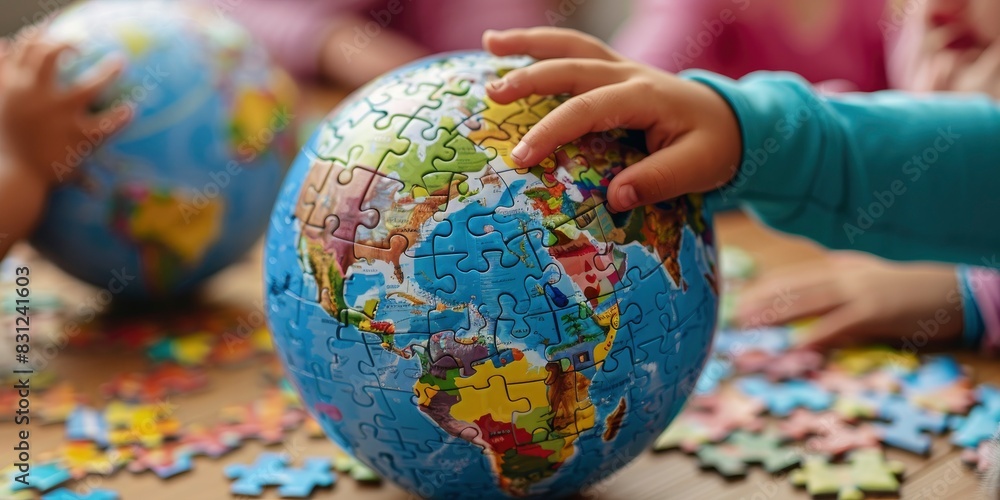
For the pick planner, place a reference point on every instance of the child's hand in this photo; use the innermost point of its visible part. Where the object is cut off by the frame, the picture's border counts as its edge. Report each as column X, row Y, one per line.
column 41, row 122
column 860, row 299
column 692, row 134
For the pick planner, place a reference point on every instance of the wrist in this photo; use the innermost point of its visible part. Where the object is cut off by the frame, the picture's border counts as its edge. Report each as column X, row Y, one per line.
column 972, row 320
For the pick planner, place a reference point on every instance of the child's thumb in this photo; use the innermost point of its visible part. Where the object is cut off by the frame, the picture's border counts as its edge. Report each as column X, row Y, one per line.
column 686, row 166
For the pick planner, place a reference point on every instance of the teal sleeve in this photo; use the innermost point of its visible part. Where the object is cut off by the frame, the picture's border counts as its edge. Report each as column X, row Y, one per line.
column 902, row 176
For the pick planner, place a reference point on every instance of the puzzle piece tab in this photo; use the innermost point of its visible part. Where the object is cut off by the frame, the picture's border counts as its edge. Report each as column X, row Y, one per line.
column 95, row 494
column 867, row 471
column 781, row 398
column 271, row 469
column 732, row 457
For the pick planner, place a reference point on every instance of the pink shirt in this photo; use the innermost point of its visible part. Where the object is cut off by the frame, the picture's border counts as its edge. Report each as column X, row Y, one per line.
column 294, row 30
column 736, row 37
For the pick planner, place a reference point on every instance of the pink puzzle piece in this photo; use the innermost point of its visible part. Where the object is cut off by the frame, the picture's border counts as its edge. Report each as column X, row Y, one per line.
column 828, row 433
column 266, row 419
column 778, row 366
column 153, row 386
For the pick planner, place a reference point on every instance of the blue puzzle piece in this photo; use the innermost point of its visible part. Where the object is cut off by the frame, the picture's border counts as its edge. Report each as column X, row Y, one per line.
column 299, row 483
column 87, row 424
column 907, row 424
column 64, row 494
column 271, row 469
column 41, row 477
column 935, row 374
column 981, row 423
column 182, row 463
column 251, row 479
column 783, row 397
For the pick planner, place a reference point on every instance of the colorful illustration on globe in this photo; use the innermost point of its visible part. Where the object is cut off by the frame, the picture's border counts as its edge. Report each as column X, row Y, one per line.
column 461, row 324
column 186, row 188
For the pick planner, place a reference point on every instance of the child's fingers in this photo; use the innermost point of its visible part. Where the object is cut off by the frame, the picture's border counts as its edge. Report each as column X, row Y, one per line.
column 48, row 60
column 547, row 43
column 686, row 165
column 782, row 290
column 594, row 111
column 557, row 76
column 838, row 328
column 86, row 91
column 110, row 122
column 805, row 304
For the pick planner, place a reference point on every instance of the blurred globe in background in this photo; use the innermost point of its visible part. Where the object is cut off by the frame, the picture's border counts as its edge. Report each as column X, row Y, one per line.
column 186, row 188
column 464, row 326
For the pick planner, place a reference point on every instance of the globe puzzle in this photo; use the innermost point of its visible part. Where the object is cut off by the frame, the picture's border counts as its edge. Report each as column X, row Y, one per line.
column 186, row 188
column 467, row 327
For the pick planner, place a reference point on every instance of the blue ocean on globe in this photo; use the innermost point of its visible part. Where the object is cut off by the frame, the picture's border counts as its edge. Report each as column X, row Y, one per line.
column 186, row 188
column 464, row 326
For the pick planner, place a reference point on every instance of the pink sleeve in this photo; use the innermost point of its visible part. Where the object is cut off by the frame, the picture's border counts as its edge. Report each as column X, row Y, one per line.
column 985, row 284
column 664, row 33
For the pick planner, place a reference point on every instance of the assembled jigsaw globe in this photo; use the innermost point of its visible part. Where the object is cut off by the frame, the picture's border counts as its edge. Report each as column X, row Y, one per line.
column 465, row 326
column 187, row 187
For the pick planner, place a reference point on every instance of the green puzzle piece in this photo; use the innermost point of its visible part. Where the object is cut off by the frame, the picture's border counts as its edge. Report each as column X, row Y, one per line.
column 732, row 457
column 867, row 471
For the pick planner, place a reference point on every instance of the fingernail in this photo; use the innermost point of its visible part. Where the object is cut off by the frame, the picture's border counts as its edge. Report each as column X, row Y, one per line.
column 521, row 152
column 497, row 85
column 627, row 196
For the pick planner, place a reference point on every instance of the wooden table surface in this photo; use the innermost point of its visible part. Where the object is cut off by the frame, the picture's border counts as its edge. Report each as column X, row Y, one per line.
column 651, row 476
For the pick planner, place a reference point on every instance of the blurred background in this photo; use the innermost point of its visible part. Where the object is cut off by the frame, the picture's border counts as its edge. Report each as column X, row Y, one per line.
column 599, row 17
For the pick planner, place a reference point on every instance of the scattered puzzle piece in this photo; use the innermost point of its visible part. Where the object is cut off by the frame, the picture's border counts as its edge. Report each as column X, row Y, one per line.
column 271, row 469
column 732, row 456
column 148, row 425
column 150, row 387
column 978, row 426
column 939, row 384
column 345, row 463
column 782, row 397
column 266, row 419
column 736, row 264
column 907, row 424
column 57, row 403
column 861, row 360
column 42, row 477
column 212, row 442
column 84, row 457
column 167, row 461
column 778, row 366
column 188, row 350
column 65, row 494
column 867, row 471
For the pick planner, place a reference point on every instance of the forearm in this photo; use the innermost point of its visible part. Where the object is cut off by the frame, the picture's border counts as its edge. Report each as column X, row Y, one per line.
column 22, row 201
column 887, row 173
